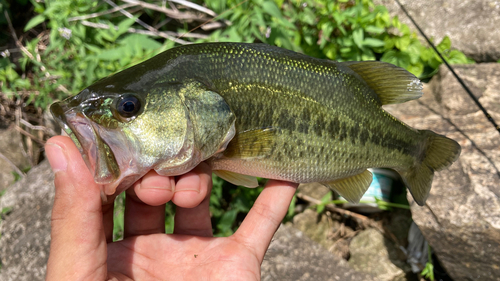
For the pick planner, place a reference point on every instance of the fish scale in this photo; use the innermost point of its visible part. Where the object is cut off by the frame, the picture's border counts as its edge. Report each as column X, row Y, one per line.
column 253, row 110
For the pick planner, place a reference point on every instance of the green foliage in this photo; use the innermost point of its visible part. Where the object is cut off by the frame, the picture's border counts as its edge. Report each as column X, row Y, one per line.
column 428, row 271
column 76, row 55
column 229, row 204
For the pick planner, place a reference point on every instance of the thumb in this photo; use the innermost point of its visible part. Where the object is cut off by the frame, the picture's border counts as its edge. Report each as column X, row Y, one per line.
column 78, row 246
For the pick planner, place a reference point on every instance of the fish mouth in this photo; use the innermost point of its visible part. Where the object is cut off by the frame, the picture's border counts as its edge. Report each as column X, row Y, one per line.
column 96, row 153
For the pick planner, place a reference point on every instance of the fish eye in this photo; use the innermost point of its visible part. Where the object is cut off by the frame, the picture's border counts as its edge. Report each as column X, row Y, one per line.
column 128, row 106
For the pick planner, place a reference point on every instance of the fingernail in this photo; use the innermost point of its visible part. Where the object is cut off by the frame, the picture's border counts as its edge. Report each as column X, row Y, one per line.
column 163, row 185
column 194, row 184
column 56, row 156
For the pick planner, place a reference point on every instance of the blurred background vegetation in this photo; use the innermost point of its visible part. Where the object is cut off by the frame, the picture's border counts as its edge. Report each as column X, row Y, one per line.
column 50, row 49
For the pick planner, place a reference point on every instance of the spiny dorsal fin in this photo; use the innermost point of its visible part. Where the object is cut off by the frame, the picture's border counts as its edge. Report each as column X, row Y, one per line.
column 352, row 188
column 392, row 84
column 237, row 179
column 250, row 144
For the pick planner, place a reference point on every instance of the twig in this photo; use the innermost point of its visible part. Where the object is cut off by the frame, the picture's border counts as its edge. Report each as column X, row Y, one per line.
column 20, row 130
column 14, row 167
column 33, row 127
column 195, row 7
column 362, row 220
column 175, row 14
column 95, row 15
column 147, row 26
column 334, row 209
column 133, row 30
column 13, row 32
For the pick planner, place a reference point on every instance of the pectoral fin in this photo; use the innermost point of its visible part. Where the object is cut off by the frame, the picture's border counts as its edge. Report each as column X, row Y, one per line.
column 352, row 188
column 237, row 179
column 250, row 144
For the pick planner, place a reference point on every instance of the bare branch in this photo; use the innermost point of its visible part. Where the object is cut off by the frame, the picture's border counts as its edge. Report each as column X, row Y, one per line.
column 14, row 167
column 22, row 131
column 175, row 14
column 11, row 28
column 95, row 15
column 146, row 32
column 195, row 7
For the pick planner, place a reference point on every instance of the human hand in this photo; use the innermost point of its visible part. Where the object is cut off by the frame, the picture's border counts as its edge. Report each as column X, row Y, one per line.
column 82, row 247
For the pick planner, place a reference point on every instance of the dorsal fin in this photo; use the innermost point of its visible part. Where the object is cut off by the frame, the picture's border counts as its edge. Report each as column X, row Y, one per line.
column 392, row 84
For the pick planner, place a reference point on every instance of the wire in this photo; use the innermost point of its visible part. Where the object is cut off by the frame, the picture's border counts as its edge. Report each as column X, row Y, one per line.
column 485, row 112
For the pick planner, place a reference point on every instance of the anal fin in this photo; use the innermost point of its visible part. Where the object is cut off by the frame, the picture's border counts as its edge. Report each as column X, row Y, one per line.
column 237, row 179
column 352, row 188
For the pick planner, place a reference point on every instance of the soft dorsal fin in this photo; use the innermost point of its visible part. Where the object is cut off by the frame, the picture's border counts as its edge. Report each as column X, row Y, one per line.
column 352, row 188
column 392, row 84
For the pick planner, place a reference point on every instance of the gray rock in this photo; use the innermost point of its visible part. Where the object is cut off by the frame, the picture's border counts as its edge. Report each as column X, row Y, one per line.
column 374, row 254
column 293, row 256
column 10, row 147
column 318, row 227
column 472, row 25
column 461, row 219
column 25, row 241
column 315, row 190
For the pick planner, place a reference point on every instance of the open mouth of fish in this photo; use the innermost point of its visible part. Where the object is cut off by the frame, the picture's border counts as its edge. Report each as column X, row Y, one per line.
column 109, row 162
column 96, row 153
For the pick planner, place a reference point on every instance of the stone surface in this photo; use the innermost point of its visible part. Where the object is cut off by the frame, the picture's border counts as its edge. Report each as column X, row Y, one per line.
column 472, row 25
column 293, row 256
column 316, row 226
column 10, row 147
column 461, row 219
column 374, row 254
column 25, row 241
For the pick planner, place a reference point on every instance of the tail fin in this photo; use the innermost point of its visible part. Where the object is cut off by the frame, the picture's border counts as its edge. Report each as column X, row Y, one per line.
column 439, row 153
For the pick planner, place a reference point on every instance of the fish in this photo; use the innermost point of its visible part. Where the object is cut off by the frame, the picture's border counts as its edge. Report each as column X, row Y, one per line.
column 253, row 110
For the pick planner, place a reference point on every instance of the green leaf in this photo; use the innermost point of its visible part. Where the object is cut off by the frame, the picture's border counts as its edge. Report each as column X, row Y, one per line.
column 270, row 8
column 34, row 22
column 374, row 29
column 357, row 36
column 373, row 42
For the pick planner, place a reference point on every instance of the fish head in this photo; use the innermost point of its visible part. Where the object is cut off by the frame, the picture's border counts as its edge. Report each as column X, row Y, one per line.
column 122, row 135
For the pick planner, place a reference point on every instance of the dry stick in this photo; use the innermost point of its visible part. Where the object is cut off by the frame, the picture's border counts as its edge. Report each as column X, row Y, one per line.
column 362, row 220
column 33, row 127
column 22, row 131
column 11, row 28
column 138, row 31
column 212, row 19
column 175, row 14
column 195, row 7
column 26, row 52
column 147, row 26
column 14, row 167
column 95, row 15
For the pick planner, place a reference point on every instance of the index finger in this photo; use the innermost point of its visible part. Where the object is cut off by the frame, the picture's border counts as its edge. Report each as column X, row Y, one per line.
column 259, row 226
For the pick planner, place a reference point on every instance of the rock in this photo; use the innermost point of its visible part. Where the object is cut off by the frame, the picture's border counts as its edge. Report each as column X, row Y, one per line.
column 315, row 190
column 10, row 146
column 25, row 241
column 293, row 256
column 374, row 254
column 472, row 25
column 461, row 220
column 318, row 227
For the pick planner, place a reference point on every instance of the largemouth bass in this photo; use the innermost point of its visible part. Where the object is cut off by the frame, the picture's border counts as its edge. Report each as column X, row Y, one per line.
column 253, row 110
